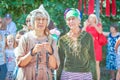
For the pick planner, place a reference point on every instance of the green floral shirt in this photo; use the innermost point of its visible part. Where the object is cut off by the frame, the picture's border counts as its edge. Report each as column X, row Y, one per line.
column 77, row 56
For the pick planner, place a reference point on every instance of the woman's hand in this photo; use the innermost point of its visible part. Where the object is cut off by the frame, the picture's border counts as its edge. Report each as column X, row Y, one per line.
column 47, row 46
column 98, row 28
column 37, row 48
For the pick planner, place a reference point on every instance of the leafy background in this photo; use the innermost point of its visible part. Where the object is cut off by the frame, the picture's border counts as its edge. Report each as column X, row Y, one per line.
column 21, row 8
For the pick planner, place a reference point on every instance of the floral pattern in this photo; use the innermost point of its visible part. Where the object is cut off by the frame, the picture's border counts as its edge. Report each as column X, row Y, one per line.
column 111, row 55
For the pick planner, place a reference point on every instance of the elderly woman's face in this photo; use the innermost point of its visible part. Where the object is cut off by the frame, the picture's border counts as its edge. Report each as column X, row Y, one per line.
column 40, row 23
column 73, row 22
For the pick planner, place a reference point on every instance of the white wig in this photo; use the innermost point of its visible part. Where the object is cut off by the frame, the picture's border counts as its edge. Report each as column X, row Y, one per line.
column 42, row 11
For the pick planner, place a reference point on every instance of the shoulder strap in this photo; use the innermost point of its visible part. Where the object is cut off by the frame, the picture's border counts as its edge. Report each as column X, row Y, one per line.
column 50, row 40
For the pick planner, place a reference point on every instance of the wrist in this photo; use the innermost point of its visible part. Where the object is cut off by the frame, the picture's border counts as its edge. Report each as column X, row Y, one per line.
column 31, row 52
column 52, row 51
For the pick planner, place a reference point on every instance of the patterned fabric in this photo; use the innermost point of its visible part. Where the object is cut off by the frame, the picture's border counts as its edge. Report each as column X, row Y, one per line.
column 10, row 59
column 76, row 56
column 9, row 75
column 3, row 32
column 76, row 76
column 2, row 47
column 111, row 55
column 3, row 71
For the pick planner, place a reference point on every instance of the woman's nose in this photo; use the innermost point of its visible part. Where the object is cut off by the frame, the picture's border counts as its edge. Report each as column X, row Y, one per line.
column 71, row 20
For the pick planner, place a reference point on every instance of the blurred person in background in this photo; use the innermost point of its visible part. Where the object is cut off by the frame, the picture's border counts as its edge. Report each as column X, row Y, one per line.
column 93, row 27
column 3, row 67
column 18, row 35
column 54, row 30
column 28, row 26
column 3, row 26
column 10, row 56
column 111, row 63
column 11, row 26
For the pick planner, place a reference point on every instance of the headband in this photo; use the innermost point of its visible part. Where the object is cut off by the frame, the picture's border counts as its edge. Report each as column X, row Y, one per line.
column 72, row 12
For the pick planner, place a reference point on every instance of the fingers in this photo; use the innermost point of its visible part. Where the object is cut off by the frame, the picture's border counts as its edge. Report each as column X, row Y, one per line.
column 37, row 48
column 47, row 47
column 44, row 46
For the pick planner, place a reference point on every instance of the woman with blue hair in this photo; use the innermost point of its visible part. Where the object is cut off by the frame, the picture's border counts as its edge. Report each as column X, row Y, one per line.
column 76, row 52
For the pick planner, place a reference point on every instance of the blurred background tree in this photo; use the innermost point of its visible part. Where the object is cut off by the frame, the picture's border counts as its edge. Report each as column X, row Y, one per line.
column 21, row 8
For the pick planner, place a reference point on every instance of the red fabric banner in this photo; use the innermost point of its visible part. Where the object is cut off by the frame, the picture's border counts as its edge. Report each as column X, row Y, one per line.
column 101, row 3
column 80, row 5
column 113, row 7
column 85, row 9
column 107, row 8
column 90, row 7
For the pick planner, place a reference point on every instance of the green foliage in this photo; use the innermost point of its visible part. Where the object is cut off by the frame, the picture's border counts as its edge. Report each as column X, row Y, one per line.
column 21, row 8
column 107, row 21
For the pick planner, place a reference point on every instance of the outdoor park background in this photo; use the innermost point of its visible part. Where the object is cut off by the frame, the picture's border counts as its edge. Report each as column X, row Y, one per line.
column 21, row 8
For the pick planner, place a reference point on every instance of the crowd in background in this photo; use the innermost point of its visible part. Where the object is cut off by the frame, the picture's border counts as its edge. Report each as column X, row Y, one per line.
column 24, row 54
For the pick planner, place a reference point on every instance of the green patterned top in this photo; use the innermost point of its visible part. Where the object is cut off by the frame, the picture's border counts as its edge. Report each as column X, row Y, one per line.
column 77, row 56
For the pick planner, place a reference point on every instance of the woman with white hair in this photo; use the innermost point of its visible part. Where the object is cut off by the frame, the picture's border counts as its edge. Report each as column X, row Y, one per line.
column 35, row 48
column 76, row 50
column 92, row 26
